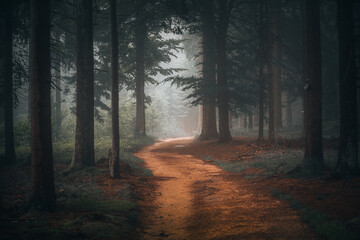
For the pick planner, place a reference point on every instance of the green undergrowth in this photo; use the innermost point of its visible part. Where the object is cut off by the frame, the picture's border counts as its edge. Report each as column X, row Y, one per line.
column 272, row 162
column 321, row 223
column 94, row 205
column 63, row 149
column 136, row 164
column 85, row 209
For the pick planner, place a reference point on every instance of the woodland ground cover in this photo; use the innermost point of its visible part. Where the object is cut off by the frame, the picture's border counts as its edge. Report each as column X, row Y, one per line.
column 327, row 203
column 90, row 204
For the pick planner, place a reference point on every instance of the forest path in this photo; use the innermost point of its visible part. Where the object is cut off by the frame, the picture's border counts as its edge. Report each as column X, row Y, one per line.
column 189, row 198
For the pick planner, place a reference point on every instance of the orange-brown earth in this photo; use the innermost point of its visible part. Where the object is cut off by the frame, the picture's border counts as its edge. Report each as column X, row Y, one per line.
column 192, row 199
column 188, row 198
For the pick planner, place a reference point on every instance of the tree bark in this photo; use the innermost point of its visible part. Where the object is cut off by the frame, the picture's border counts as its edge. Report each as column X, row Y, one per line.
column 269, row 39
column 7, row 50
column 58, row 118
column 223, row 99
column 348, row 146
column 209, row 130
column 304, row 64
column 275, row 62
column 289, row 121
column 200, row 119
column 84, row 136
column 245, row 125
column 261, row 71
column 313, row 158
column 42, row 172
column 114, row 79
column 140, row 36
column 250, row 120
column 230, row 120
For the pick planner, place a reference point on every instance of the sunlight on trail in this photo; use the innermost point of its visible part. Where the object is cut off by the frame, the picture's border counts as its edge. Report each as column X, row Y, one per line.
column 197, row 200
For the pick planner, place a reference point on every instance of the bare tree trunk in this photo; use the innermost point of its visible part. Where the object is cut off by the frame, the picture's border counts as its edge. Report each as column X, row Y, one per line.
column 2, row 114
column 200, row 119
column 250, row 120
column 140, row 35
column 348, row 145
column 84, row 136
column 304, row 64
column 275, row 64
column 209, row 130
column 289, row 121
column 58, row 93
column 245, row 125
column 269, row 39
column 261, row 71
column 277, row 85
column 7, row 35
column 223, row 101
column 42, row 172
column 313, row 116
column 114, row 79
column 230, row 120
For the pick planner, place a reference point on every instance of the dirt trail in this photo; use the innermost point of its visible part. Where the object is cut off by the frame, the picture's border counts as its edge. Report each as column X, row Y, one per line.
column 192, row 199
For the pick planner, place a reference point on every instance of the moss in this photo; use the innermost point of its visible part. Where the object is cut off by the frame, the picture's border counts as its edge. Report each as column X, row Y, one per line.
column 322, row 224
column 100, row 230
column 91, row 205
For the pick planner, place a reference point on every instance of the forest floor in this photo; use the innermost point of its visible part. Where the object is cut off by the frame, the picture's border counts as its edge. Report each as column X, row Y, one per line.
column 197, row 190
column 192, row 197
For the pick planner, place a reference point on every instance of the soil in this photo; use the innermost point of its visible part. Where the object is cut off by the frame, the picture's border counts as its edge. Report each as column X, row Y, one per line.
column 192, row 199
column 187, row 198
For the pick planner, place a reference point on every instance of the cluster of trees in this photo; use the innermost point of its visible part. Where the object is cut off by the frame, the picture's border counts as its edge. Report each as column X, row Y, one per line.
column 249, row 58
column 60, row 40
column 286, row 63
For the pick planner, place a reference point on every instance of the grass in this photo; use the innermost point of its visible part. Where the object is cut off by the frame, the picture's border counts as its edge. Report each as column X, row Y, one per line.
column 93, row 205
column 273, row 162
column 135, row 164
column 322, row 224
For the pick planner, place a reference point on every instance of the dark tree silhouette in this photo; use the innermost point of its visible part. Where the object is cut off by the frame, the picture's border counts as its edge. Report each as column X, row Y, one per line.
column 140, row 36
column 348, row 147
column 223, row 99
column 270, row 74
column 208, row 129
column 261, row 70
column 7, row 74
column 84, row 136
column 42, row 172
column 313, row 116
column 114, row 79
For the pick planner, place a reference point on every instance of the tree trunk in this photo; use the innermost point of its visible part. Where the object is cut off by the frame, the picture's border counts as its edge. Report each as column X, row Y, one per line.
column 261, row 71
column 304, row 64
column 2, row 115
column 140, row 36
column 7, row 32
column 42, row 172
column 58, row 94
column 289, row 121
column 250, row 120
column 208, row 129
column 275, row 62
column 277, row 83
column 348, row 145
column 313, row 116
column 230, row 120
column 269, row 39
column 84, row 136
column 114, row 79
column 245, row 121
column 200, row 119
column 223, row 101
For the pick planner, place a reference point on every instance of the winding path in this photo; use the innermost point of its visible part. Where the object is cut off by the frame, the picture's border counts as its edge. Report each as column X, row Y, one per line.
column 192, row 199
